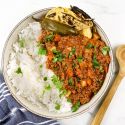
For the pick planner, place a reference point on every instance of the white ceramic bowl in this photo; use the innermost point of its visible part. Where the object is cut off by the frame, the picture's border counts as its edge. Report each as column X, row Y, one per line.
column 43, row 111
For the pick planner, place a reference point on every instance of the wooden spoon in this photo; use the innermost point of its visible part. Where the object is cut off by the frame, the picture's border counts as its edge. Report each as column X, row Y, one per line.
column 120, row 54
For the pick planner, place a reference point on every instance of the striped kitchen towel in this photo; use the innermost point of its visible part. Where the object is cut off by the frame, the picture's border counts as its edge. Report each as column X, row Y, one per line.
column 12, row 113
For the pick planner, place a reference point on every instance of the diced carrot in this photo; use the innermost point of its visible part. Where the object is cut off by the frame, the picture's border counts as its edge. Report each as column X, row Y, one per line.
column 81, row 65
column 83, row 83
column 89, row 73
column 78, row 72
column 89, row 81
column 57, row 38
column 69, row 72
column 50, row 56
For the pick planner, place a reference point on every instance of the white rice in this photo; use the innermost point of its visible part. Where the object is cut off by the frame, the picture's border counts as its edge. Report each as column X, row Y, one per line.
column 30, row 84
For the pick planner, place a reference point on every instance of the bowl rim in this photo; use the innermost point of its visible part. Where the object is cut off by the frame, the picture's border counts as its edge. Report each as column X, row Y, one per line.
column 55, row 117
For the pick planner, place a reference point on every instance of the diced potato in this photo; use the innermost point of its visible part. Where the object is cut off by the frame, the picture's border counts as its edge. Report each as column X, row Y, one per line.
column 69, row 48
column 87, row 32
column 83, row 83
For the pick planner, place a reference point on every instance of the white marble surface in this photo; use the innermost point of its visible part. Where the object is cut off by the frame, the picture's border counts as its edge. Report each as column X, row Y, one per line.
column 110, row 14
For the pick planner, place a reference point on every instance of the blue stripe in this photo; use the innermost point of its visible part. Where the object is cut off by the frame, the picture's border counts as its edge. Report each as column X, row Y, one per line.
column 19, row 116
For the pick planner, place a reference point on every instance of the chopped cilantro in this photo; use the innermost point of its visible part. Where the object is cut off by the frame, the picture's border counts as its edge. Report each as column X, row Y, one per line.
column 95, row 47
column 64, row 91
column 21, row 42
column 55, row 59
column 40, row 66
column 19, row 71
column 76, row 106
column 72, row 51
column 105, row 50
column 58, row 56
column 79, row 58
column 70, row 54
column 69, row 100
column 45, row 78
column 57, row 107
column 70, row 81
column 48, row 87
column 56, row 81
column 42, row 51
column 89, row 46
column 95, row 62
column 55, row 51
column 49, row 37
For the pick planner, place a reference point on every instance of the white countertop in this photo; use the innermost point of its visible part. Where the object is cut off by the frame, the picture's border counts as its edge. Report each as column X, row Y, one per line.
column 109, row 14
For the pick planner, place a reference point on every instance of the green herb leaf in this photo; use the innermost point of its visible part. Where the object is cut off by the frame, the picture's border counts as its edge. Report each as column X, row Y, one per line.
column 72, row 52
column 105, row 50
column 48, row 87
column 21, row 42
column 49, row 37
column 69, row 100
column 64, row 91
column 55, row 59
column 19, row 71
column 79, row 58
column 58, row 56
column 56, row 81
column 89, row 46
column 40, row 66
column 95, row 62
column 76, row 106
column 45, row 78
column 42, row 51
column 55, row 51
column 57, row 107
column 70, row 81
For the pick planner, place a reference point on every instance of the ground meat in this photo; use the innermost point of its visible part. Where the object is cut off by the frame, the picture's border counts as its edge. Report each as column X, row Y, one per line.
column 79, row 63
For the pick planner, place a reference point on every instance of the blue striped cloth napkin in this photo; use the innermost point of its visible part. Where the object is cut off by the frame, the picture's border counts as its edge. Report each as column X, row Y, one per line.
column 12, row 113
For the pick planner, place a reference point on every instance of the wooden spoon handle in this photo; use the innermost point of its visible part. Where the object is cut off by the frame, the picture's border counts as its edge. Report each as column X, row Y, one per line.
column 99, row 116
